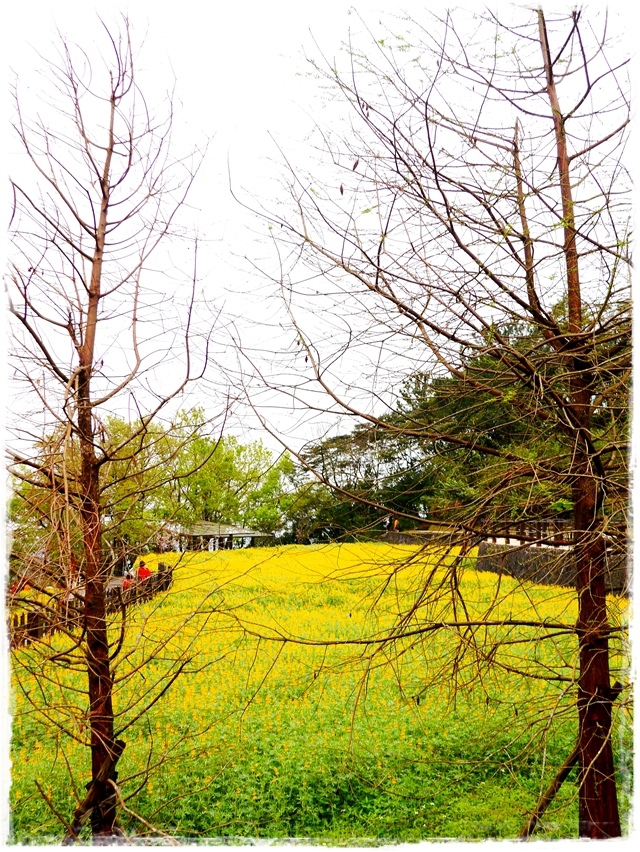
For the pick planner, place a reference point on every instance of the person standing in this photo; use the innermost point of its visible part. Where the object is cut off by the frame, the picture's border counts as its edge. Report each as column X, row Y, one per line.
column 143, row 572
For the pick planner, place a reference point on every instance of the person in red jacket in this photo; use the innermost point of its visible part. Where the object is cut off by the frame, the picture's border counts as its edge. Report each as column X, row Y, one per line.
column 143, row 572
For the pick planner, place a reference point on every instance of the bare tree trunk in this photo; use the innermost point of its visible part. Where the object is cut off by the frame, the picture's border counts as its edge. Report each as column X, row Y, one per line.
column 100, row 683
column 598, row 807
column 103, row 195
column 598, row 811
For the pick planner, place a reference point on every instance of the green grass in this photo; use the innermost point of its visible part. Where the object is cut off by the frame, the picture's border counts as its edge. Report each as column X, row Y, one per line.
column 265, row 740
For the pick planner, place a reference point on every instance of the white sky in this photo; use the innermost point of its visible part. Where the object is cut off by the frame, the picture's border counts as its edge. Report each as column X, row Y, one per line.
column 241, row 79
column 239, row 69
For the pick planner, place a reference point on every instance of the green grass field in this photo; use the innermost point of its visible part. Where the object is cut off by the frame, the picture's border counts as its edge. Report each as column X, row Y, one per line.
column 431, row 737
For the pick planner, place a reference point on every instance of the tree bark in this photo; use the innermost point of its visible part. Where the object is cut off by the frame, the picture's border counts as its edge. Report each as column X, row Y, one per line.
column 100, row 681
column 598, row 804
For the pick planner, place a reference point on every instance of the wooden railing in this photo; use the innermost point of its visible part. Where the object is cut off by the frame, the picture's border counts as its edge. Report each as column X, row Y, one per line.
column 550, row 532
column 66, row 615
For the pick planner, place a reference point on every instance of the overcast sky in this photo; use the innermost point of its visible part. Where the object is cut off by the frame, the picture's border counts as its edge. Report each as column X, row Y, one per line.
column 240, row 73
column 242, row 81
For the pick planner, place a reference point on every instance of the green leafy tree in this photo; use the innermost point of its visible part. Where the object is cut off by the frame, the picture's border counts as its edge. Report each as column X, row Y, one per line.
column 223, row 480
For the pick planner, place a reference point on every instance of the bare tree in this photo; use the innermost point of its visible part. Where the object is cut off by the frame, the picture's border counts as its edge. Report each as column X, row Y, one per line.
column 472, row 226
column 92, row 325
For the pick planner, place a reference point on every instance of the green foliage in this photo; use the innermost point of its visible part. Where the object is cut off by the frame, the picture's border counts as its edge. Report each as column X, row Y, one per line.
column 220, row 479
column 562, row 505
column 472, row 445
column 153, row 473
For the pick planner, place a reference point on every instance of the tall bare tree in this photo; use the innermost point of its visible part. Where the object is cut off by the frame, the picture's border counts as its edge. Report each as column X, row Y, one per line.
column 92, row 324
column 480, row 188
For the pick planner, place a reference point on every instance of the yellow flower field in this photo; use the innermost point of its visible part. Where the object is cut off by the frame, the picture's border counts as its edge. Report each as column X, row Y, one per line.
column 266, row 731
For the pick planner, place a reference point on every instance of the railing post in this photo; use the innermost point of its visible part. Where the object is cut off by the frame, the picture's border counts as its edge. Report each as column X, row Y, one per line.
column 32, row 625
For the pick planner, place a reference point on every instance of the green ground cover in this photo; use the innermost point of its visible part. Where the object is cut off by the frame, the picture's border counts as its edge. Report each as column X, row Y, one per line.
column 263, row 739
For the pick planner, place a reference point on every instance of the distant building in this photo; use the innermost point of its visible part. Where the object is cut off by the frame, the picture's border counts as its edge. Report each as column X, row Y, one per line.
column 207, row 535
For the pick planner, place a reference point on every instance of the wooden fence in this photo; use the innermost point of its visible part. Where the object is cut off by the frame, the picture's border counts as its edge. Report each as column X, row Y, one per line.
column 29, row 625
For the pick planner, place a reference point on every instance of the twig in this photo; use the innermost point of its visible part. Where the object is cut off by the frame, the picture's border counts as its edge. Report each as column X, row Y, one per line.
column 549, row 794
column 52, row 808
column 172, row 840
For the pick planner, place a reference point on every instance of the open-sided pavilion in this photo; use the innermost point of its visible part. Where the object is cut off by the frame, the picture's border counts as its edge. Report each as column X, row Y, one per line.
column 208, row 535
